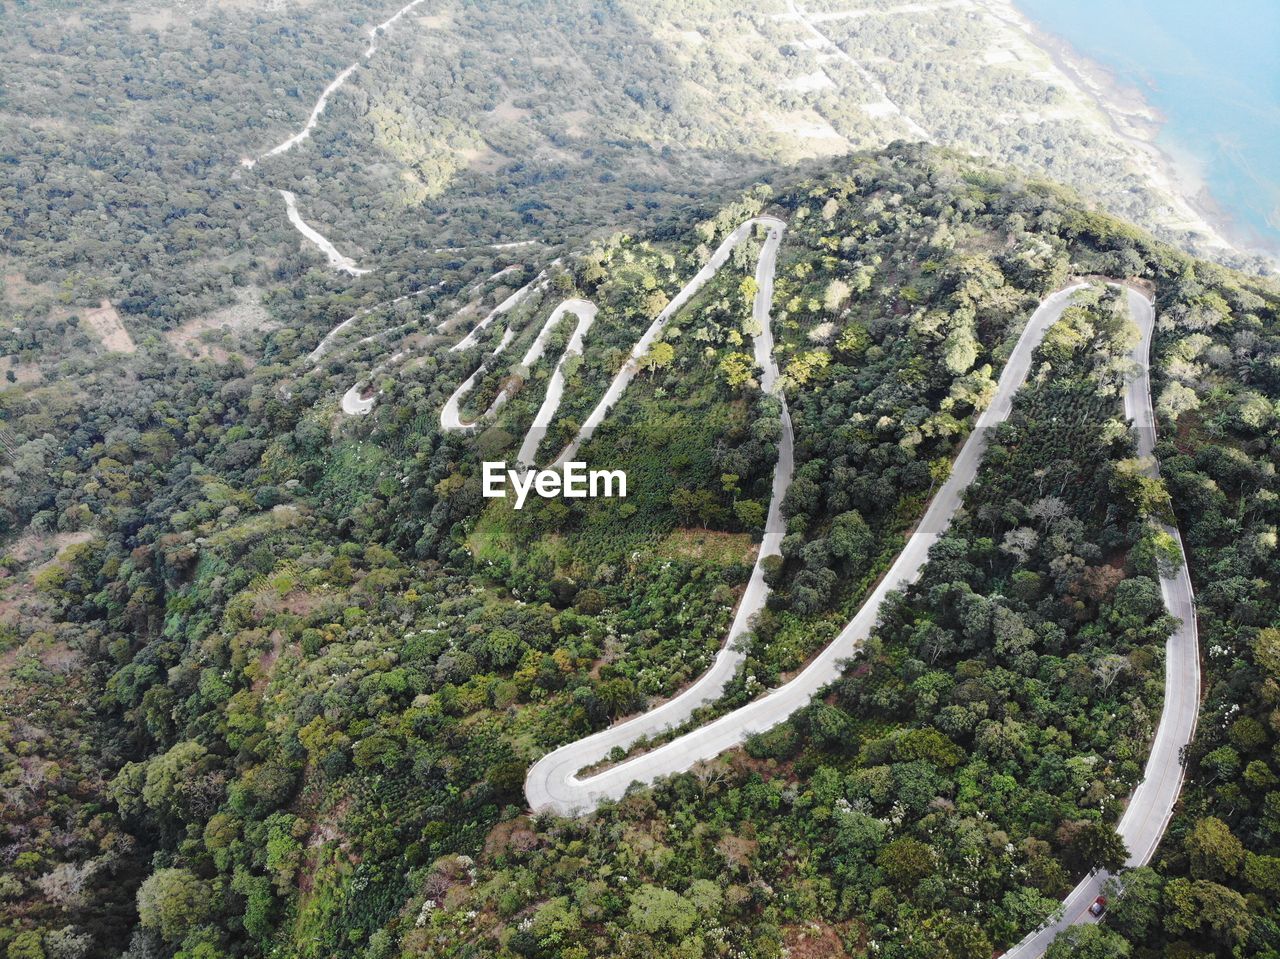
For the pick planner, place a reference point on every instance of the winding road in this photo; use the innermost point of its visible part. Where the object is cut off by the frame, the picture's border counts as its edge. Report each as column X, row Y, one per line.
column 555, row 783
column 336, row 259
column 1151, row 806
column 334, row 85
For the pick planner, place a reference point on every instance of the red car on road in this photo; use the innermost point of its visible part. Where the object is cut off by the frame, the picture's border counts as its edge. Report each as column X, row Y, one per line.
column 1098, row 907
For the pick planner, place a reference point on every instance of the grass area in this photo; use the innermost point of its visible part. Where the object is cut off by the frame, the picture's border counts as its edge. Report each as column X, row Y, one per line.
column 709, row 546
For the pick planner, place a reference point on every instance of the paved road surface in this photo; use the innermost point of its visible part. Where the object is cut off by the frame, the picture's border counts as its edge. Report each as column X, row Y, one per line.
column 553, row 782
column 1151, row 805
column 450, row 414
column 586, row 314
column 764, row 270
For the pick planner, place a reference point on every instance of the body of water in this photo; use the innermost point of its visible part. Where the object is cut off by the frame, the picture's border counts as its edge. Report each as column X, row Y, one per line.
column 1212, row 69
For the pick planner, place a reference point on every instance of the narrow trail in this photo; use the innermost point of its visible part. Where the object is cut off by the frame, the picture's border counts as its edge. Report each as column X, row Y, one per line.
column 330, row 338
column 334, row 86
column 554, row 783
column 450, row 418
column 336, row 259
column 885, row 106
column 354, row 402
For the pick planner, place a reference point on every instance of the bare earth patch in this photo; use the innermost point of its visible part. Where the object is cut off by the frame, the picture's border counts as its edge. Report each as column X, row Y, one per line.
column 32, row 547
column 810, row 132
column 19, row 291
column 197, row 338
column 105, row 322
column 508, row 112
column 483, row 158
column 22, row 372
column 813, row 940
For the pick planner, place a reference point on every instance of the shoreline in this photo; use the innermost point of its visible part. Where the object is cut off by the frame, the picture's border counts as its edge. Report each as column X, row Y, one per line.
column 1174, row 171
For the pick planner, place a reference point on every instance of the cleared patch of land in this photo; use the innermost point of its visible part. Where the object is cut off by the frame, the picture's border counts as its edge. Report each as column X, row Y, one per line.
column 709, row 545
column 200, row 338
column 107, row 326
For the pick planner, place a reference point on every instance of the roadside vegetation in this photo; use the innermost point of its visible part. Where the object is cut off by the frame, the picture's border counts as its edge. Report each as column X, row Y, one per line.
column 311, row 665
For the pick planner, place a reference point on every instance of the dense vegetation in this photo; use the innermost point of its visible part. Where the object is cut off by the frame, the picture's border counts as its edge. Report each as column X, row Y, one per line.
column 125, row 122
column 278, row 689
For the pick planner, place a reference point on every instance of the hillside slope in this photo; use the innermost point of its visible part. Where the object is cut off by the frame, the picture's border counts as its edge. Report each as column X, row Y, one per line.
column 486, row 123
column 319, row 663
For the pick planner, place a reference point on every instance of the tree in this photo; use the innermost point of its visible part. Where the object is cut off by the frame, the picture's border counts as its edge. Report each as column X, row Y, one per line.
column 1192, row 904
column 655, row 301
column 172, row 902
column 851, row 539
column 502, row 647
column 1266, row 651
column 1176, row 399
column 966, row 940
column 1020, row 542
column 1088, row 942
column 737, row 369
column 906, row 861
column 659, row 357
column 26, row 945
column 960, row 350
column 1263, row 873
column 1214, row 852
column 66, row 943
column 1093, row 845
column 837, row 292
column 659, row 911
column 750, row 513
column 1134, row 901
column 1108, row 668
column 174, row 776
column 700, row 504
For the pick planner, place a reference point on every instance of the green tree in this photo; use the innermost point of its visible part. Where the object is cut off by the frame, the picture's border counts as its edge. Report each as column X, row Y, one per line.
column 1135, row 901
column 1094, row 845
column 172, row 776
column 1214, row 852
column 737, row 369
column 966, row 940
column 1088, row 942
column 659, row 911
column 26, row 945
column 699, row 504
column 960, row 350
column 1195, row 904
column 751, row 513
column 659, row 357
column 172, row 902
column 906, row 861
column 1263, row 873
